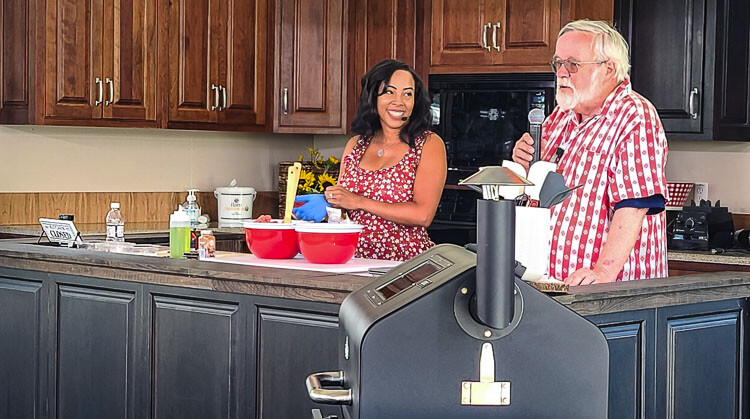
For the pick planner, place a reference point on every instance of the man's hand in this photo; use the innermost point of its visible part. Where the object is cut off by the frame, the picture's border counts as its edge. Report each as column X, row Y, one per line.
column 523, row 151
column 588, row 276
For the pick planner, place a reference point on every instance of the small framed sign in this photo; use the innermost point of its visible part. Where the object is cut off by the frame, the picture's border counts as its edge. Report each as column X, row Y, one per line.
column 60, row 231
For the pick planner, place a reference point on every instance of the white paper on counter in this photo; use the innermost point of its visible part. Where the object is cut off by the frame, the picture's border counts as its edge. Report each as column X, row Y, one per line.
column 533, row 238
column 298, row 262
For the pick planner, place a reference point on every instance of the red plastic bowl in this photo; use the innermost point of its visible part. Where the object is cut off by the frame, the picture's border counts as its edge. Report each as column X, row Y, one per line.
column 274, row 240
column 328, row 243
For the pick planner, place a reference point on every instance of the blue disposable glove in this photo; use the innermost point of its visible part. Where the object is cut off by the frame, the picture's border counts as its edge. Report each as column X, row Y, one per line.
column 314, row 208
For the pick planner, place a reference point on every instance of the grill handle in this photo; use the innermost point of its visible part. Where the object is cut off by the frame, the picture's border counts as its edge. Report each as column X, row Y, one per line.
column 318, row 394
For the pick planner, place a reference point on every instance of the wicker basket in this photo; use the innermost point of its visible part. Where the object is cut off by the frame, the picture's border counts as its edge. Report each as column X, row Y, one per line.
column 283, row 171
column 678, row 193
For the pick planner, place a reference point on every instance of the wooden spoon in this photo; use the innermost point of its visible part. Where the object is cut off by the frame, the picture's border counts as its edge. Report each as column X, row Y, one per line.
column 292, row 180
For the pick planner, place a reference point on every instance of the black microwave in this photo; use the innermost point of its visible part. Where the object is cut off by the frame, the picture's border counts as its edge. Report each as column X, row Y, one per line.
column 480, row 117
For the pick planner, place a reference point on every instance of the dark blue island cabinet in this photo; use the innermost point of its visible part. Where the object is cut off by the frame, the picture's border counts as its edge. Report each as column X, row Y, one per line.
column 683, row 361
column 91, row 335
column 79, row 347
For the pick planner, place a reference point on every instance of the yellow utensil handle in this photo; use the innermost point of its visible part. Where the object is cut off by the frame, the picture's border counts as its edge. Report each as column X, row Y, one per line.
column 291, row 191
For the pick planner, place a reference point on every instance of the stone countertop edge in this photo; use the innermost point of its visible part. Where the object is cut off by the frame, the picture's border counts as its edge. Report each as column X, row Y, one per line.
column 333, row 288
column 271, row 282
column 707, row 257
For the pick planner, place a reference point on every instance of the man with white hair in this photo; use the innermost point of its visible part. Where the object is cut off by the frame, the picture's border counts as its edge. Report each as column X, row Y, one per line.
column 609, row 139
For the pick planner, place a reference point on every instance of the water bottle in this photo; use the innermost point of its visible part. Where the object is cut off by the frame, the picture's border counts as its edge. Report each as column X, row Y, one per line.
column 192, row 208
column 179, row 233
column 115, row 224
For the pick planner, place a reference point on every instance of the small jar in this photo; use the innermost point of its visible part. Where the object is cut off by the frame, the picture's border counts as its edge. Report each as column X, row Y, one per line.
column 206, row 245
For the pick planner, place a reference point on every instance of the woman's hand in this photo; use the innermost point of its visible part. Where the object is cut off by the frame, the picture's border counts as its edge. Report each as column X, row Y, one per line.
column 342, row 198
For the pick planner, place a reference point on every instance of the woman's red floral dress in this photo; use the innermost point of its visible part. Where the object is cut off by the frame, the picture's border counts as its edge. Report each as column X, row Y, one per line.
column 380, row 238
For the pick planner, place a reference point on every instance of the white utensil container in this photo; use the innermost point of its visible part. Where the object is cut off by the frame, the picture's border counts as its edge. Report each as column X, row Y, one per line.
column 235, row 205
column 533, row 240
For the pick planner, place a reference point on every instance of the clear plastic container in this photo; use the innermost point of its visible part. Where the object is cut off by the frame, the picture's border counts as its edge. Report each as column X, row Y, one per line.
column 179, row 234
column 206, row 245
column 115, row 224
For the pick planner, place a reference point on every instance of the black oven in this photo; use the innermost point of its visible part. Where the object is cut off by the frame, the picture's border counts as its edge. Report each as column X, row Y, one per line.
column 480, row 117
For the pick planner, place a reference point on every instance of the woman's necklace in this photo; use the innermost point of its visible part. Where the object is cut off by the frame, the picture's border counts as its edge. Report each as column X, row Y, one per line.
column 381, row 152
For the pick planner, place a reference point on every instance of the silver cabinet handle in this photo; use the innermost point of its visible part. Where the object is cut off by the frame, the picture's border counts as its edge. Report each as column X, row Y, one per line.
column 484, row 36
column 495, row 28
column 111, row 97
column 215, row 89
column 693, row 94
column 285, row 101
column 100, row 89
column 318, row 394
column 224, row 98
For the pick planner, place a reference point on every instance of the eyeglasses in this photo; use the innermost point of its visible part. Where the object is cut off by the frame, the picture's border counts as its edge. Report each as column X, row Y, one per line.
column 571, row 65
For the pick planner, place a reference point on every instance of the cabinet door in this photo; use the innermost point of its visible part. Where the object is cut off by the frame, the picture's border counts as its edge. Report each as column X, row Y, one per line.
column 382, row 29
column 23, row 309
column 243, row 57
column 292, row 345
column 630, row 337
column 462, row 32
column 193, row 59
column 130, row 59
column 732, row 109
column 309, row 66
column 14, row 56
column 529, row 32
column 701, row 351
column 73, row 59
column 672, row 60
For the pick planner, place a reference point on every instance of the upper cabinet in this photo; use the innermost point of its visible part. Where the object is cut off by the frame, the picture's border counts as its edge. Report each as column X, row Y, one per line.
column 16, row 52
column 309, row 92
column 99, row 61
column 672, row 57
column 493, row 35
column 732, row 104
column 381, row 29
column 217, row 63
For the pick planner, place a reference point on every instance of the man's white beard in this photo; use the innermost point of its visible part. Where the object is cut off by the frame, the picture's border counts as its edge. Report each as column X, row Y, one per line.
column 569, row 100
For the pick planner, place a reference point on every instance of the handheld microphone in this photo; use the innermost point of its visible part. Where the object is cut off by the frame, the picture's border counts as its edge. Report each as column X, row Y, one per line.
column 536, row 118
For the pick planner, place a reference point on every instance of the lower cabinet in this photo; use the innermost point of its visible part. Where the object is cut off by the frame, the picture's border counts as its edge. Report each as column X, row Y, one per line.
column 23, row 342
column 79, row 347
column 683, row 361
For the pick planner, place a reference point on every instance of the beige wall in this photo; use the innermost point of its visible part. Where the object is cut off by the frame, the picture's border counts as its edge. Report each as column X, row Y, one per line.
column 68, row 159
column 71, row 159
column 724, row 165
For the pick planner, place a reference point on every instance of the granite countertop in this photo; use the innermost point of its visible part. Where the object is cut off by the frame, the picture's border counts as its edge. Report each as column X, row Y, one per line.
column 99, row 228
column 727, row 258
column 333, row 288
column 162, row 227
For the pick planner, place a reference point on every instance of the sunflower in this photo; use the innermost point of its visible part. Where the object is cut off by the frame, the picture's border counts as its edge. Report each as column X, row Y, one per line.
column 324, row 180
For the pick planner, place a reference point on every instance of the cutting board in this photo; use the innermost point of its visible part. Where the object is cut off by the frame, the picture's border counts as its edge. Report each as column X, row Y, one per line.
column 356, row 265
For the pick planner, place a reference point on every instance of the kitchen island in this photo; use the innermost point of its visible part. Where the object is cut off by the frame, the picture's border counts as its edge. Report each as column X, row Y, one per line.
column 91, row 334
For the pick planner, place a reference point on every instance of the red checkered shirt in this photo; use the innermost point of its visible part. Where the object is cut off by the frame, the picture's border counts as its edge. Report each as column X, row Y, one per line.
column 619, row 153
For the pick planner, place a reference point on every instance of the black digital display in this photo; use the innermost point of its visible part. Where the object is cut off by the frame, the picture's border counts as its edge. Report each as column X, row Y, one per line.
column 406, row 280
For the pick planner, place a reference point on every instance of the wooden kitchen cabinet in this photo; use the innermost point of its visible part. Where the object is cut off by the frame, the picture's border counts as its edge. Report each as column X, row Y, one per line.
column 381, row 29
column 100, row 61
column 732, row 97
column 493, row 35
column 16, row 60
column 217, row 63
column 672, row 45
column 309, row 92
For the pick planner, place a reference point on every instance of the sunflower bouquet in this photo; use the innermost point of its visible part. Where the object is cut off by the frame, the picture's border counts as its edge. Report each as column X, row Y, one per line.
column 318, row 174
